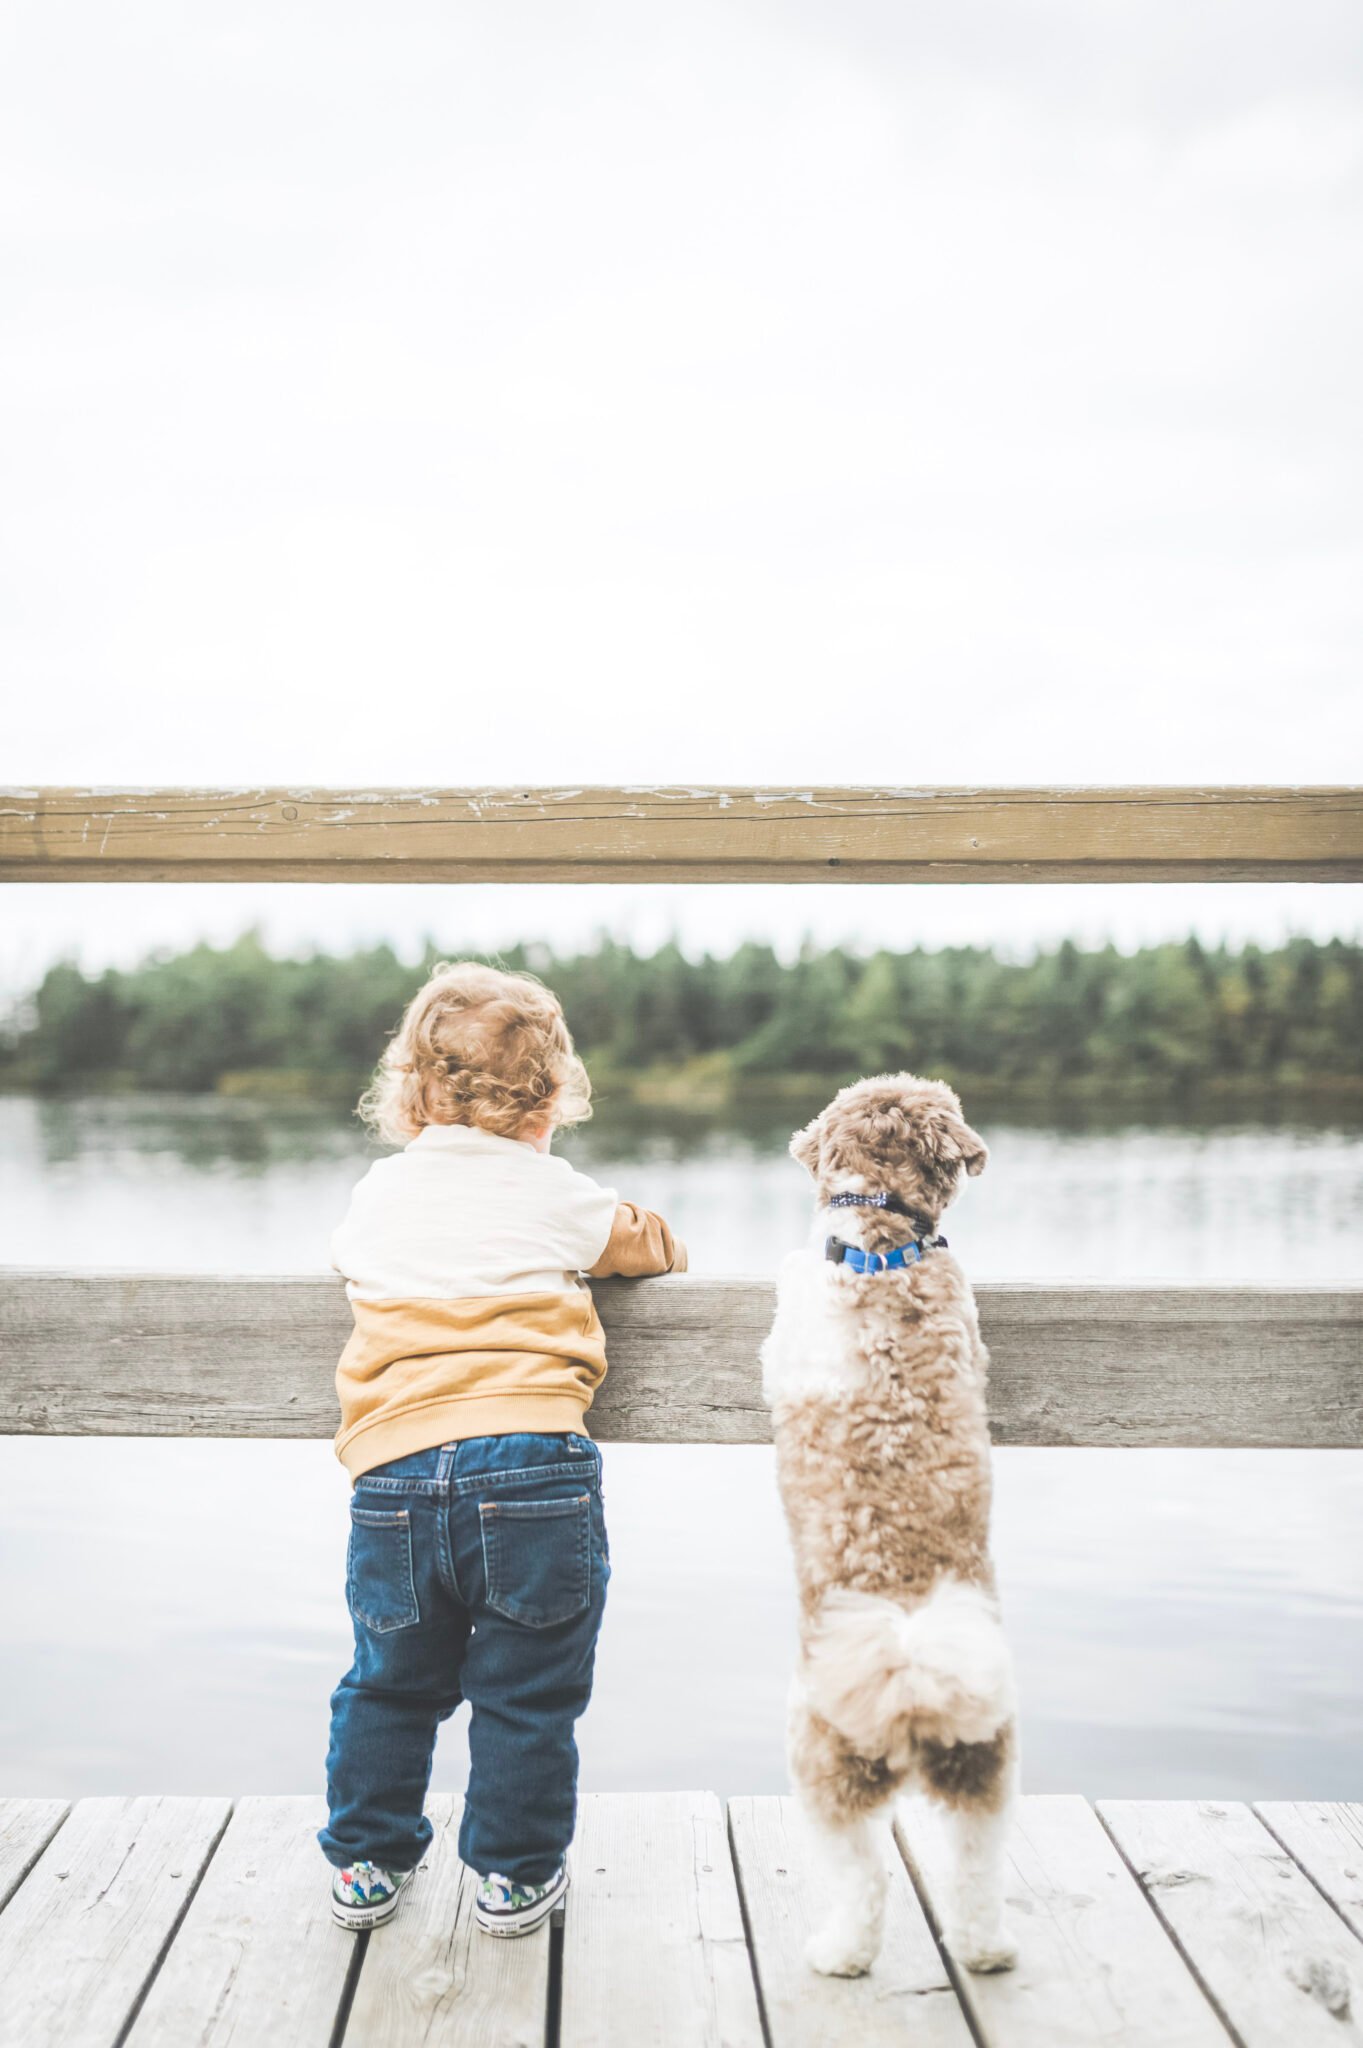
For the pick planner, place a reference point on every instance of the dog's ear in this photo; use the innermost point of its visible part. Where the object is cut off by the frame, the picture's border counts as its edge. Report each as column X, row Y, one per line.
column 807, row 1144
column 956, row 1144
column 944, row 1133
column 974, row 1151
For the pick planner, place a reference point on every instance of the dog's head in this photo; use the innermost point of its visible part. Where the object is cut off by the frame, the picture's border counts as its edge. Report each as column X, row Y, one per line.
column 894, row 1134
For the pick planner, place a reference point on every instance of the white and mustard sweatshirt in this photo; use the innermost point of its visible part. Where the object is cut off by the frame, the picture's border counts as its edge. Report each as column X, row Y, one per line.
column 462, row 1256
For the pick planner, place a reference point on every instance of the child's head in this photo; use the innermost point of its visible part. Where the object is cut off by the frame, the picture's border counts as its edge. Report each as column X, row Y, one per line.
column 476, row 1046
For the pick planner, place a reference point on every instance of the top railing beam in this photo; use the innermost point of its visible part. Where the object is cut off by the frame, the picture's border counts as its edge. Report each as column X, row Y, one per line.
column 660, row 834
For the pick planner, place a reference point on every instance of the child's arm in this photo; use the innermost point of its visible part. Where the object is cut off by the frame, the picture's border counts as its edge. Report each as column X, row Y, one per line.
column 640, row 1244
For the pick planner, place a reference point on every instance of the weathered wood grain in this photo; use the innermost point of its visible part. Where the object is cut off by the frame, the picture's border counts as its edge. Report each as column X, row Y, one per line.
column 1326, row 1838
column 204, row 1355
column 671, row 834
column 654, row 1951
column 257, row 1956
column 907, row 1997
column 1094, row 1970
column 1280, row 1964
column 1241, row 1943
column 431, row 1980
column 26, row 1828
column 82, row 1936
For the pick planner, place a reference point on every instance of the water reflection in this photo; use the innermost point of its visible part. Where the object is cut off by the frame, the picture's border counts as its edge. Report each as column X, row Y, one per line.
column 186, row 1182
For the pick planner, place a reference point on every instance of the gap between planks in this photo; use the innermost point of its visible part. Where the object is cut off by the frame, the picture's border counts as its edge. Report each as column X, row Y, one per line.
column 655, row 1954
column 163, row 1924
column 1275, row 1953
column 1326, row 1838
column 26, row 1828
column 909, row 1994
column 1094, row 1969
column 84, row 1935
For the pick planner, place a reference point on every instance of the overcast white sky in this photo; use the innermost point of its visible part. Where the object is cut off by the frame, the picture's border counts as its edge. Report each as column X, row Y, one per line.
column 775, row 391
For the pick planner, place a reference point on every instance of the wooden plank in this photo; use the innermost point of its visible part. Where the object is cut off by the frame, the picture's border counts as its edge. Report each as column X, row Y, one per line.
column 1326, row 1838
column 874, row 834
column 908, row 1995
column 654, row 1952
column 1192, row 1366
column 432, row 1980
column 83, row 1934
column 174, row 1354
column 1094, row 1969
column 1280, row 1964
column 258, row 1956
column 26, row 1828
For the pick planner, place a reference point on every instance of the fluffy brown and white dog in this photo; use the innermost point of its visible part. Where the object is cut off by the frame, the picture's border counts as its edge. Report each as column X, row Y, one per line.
column 875, row 1374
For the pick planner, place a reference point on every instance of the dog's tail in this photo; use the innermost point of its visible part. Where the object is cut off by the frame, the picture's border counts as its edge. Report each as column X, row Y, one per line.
column 882, row 1673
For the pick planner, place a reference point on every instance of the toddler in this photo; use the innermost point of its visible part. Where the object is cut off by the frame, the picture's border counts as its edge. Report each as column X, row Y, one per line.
column 478, row 1556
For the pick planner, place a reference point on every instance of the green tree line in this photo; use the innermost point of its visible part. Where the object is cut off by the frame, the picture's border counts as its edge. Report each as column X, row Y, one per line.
column 1170, row 1017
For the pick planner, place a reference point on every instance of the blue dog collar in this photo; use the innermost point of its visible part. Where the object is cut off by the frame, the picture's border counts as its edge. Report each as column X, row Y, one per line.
column 843, row 1254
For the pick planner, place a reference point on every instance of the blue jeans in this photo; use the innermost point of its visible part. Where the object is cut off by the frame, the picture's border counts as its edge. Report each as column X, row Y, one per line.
column 476, row 1572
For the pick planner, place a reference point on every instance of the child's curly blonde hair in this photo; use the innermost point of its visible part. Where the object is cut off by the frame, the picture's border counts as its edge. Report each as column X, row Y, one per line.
column 477, row 1046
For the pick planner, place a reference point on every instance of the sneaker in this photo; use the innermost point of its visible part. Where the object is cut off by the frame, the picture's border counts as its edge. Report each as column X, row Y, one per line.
column 504, row 1907
column 365, row 1895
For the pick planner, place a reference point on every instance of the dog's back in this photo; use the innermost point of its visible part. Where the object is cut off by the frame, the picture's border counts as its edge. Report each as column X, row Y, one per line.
column 877, row 1389
column 875, row 1373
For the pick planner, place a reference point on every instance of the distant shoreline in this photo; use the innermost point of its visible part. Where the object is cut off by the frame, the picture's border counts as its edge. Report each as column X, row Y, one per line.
column 1172, row 1031
column 709, row 1086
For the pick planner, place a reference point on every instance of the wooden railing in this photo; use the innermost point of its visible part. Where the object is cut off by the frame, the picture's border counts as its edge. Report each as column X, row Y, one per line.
column 682, row 835
column 169, row 1354
column 157, row 1354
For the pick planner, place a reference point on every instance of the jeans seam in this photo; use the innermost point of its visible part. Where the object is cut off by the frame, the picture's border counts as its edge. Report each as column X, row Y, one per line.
column 522, row 1475
column 430, row 1486
column 444, row 1558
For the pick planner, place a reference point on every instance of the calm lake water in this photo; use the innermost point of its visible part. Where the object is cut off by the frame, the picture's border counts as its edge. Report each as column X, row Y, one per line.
column 1184, row 1622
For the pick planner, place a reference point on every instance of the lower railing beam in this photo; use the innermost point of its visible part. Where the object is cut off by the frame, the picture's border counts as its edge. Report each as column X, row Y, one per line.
column 179, row 1354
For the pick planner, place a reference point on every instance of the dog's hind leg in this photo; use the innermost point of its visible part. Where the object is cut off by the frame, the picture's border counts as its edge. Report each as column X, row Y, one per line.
column 841, row 1796
column 977, row 1782
column 851, row 1870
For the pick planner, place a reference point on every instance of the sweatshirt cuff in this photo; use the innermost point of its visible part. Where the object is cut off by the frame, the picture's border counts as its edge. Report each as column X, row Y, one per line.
column 640, row 1245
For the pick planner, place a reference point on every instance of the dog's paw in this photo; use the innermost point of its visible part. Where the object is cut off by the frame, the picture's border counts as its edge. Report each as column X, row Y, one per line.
column 983, row 1950
column 839, row 1951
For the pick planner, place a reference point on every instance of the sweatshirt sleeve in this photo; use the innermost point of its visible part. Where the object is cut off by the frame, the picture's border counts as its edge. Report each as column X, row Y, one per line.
column 640, row 1244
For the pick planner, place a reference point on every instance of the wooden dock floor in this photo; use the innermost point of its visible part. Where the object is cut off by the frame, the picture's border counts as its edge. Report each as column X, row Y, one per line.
column 180, row 1923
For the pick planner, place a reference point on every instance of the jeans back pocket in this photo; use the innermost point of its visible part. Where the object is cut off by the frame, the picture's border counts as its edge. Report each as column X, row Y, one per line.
column 379, row 1583
column 537, row 1555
